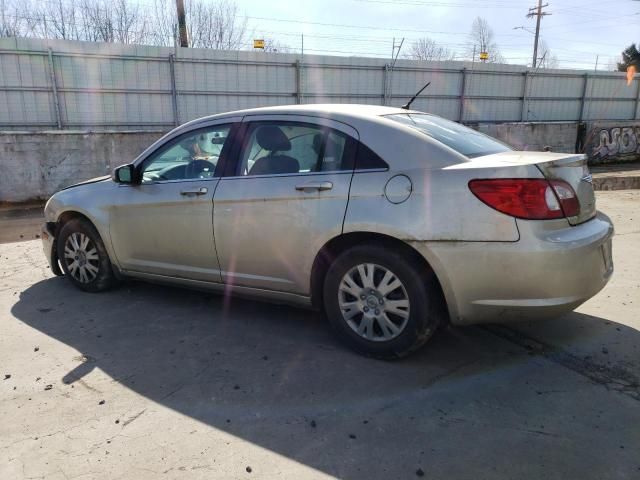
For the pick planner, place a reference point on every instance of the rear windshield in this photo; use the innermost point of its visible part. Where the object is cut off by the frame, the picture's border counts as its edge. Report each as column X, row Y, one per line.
column 464, row 140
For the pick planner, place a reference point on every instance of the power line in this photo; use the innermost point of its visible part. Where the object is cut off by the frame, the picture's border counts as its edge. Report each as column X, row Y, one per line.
column 477, row 3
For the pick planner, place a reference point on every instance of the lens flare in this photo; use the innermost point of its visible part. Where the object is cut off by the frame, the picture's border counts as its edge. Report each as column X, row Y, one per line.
column 631, row 71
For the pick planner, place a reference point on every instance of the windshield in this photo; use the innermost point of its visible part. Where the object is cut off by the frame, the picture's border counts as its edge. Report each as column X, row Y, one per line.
column 464, row 140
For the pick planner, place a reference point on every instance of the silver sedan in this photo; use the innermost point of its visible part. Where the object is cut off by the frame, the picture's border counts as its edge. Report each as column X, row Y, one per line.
column 393, row 222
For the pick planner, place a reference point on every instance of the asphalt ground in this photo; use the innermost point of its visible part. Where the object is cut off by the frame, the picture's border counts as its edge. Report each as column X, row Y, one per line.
column 155, row 382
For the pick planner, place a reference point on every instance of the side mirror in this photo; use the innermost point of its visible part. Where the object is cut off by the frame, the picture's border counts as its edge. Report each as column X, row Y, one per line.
column 125, row 174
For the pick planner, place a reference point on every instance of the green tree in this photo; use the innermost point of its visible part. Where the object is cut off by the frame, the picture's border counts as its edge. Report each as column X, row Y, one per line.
column 630, row 56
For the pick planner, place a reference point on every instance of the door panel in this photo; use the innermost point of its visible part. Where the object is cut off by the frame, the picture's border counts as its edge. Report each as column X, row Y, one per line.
column 156, row 228
column 164, row 225
column 268, row 230
column 287, row 197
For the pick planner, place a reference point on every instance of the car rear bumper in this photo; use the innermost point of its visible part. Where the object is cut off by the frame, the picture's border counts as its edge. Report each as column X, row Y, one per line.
column 551, row 270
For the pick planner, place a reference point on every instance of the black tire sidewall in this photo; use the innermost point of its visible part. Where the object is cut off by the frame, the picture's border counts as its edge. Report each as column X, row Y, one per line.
column 423, row 317
column 105, row 278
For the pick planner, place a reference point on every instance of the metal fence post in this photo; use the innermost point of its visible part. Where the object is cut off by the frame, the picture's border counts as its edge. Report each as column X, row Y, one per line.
column 174, row 91
column 389, row 84
column 298, row 66
column 54, row 88
column 583, row 98
column 636, row 113
column 462, row 92
column 524, row 114
column 385, row 80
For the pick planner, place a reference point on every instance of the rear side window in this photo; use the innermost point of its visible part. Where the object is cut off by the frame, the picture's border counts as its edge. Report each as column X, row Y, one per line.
column 464, row 140
column 274, row 148
column 367, row 159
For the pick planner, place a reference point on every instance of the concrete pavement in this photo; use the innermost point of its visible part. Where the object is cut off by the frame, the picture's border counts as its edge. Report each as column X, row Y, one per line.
column 20, row 222
column 155, row 382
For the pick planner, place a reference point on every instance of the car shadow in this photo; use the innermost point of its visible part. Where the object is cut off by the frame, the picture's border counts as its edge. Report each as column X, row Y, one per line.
column 275, row 376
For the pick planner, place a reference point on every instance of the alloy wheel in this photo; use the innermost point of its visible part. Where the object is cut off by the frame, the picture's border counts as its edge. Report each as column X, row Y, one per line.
column 81, row 257
column 374, row 302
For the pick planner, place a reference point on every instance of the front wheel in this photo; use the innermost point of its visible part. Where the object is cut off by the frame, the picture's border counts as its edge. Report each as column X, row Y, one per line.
column 380, row 302
column 83, row 256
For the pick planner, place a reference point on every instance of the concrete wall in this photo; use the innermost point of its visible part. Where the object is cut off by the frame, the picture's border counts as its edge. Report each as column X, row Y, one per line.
column 613, row 142
column 559, row 136
column 35, row 165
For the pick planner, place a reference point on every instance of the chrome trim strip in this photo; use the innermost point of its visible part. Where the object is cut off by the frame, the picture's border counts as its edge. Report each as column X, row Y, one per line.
column 161, row 182
column 309, row 174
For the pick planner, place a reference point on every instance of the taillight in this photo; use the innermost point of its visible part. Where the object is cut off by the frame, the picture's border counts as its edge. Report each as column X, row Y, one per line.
column 528, row 198
column 568, row 198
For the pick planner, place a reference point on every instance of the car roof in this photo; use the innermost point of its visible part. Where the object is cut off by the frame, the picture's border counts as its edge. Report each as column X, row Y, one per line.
column 331, row 110
column 368, row 120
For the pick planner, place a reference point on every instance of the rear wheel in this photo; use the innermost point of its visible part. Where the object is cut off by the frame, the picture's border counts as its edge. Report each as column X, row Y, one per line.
column 83, row 256
column 379, row 303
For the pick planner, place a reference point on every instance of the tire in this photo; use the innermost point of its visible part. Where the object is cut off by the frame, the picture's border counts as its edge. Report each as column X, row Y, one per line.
column 415, row 320
column 80, row 244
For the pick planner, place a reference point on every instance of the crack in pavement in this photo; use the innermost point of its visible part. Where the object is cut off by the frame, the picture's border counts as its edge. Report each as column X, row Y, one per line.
column 134, row 417
column 612, row 378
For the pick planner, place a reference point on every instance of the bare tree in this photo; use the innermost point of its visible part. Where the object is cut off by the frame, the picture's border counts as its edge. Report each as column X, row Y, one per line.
column 271, row 45
column 427, row 49
column 57, row 19
column 97, row 21
column 215, row 25
column 130, row 23
column 210, row 24
column 10, row 21
column 612, row 64
column 546, row 58
column 163, row 23
column 111, row 21
column 481, row 39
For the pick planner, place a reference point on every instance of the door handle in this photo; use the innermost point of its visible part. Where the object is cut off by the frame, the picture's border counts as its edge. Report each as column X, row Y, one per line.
column 318, row 186
column 195, row 191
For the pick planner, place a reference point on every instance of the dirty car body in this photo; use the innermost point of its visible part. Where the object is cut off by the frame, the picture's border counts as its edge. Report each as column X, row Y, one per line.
column 264, row 202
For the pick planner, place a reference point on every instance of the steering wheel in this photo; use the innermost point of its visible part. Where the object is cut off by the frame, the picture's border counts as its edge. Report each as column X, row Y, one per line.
column 196, row 169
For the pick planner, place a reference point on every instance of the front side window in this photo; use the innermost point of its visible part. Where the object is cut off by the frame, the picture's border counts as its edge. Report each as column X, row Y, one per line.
column 191, row 156
column 274, row 148
column 464, row 140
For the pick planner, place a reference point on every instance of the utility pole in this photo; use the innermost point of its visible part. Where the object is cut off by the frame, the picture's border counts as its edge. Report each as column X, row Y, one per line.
column 537, row 12
column 182, row 24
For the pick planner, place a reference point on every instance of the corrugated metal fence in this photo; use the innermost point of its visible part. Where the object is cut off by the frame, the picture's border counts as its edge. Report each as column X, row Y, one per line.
column 48, row 84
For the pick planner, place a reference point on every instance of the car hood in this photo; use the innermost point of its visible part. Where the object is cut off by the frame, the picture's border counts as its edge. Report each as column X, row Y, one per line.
column 86, row 182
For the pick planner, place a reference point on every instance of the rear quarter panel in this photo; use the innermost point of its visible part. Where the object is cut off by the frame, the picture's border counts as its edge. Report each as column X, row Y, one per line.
column 440, row 207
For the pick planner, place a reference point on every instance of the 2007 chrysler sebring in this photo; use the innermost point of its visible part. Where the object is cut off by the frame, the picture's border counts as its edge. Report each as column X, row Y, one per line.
column 390, row 220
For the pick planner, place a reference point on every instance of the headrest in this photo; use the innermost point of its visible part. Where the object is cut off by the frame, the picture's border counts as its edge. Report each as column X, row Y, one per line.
column 272, row 165
column 317, row 142
column 273, row 139
column 331, row 148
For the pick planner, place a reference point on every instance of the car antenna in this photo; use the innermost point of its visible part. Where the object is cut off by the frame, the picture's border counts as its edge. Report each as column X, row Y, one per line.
column 408, row 104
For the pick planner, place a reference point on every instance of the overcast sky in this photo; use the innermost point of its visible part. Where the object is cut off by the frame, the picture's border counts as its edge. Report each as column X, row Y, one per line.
column 576, row 31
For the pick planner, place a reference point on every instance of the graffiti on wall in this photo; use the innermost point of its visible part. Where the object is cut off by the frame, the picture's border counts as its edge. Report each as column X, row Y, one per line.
column 615, row 143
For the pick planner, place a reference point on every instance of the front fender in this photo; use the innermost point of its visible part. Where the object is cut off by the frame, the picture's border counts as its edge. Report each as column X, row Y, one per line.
column 90, row 201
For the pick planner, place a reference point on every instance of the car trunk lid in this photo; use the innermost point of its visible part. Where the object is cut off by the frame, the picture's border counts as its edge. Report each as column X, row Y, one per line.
column 571, row 168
